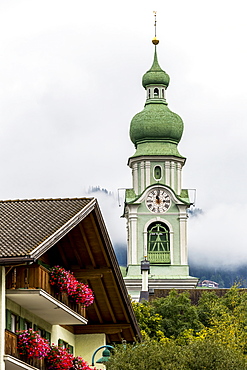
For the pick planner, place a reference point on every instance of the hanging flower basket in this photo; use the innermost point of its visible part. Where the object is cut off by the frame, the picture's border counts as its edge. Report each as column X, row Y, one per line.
column 66, row 282
column 59, row 359
column 31, row 344
column 82, row 294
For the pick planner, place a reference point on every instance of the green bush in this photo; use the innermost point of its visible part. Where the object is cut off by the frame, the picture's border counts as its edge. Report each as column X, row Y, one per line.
column 147, row 355
column 198, row 355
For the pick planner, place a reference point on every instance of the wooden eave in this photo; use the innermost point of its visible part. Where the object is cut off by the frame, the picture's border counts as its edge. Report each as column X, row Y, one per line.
column 86, row 250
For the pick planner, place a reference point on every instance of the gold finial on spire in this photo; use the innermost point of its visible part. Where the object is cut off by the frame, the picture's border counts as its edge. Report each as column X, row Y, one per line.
column 155, row 41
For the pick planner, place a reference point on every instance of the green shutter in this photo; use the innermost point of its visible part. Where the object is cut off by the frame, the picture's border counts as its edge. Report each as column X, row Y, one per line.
column 35, row 327
column 21, row 323
column 8, row 320
column 48, row 336
column 71, row 349
column 60, row 342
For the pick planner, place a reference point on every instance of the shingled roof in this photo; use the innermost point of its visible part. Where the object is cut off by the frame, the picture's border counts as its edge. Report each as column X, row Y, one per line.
column 28, row 225
column 71, row 233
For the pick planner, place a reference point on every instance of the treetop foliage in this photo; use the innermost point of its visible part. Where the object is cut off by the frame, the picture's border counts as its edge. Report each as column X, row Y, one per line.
column 182, row 336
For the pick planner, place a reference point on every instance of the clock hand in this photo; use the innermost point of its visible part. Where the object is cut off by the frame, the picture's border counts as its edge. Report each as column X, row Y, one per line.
column 158, row 197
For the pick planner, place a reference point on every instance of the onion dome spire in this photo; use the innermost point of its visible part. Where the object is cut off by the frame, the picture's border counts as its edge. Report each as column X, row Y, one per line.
column 155, row 80
column 155, row 75
column 156, row 130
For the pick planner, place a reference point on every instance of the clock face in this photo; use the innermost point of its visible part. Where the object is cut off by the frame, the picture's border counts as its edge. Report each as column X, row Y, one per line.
column 158, row 201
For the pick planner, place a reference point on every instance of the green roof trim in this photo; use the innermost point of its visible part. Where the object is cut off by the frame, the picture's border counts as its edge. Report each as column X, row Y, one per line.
column 131, row 197
column 184, row 196
column 157, row 148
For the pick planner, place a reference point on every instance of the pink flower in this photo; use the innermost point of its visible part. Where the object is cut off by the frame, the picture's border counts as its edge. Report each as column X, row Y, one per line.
column 30, row 343
column 82, row 364
column 66, row 282
column 59, row 359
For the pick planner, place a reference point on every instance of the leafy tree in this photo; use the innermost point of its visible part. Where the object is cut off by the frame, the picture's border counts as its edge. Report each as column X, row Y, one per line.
column 148, row 355
column 149, row 320
column 167, row 317
column 177, row 312
column 225, row 319
column 209, row 306
column 211, row 335
column 212, row 355
column 198, row 355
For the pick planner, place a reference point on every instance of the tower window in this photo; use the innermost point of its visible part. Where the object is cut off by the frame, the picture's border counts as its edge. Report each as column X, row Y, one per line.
column 163, row 93
column 157, row 172
column 149, row 94
column 158, row 243
column 156, row 92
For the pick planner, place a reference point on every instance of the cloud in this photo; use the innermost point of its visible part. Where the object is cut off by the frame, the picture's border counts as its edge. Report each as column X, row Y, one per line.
column 71, row 83
column 111, row 205
column 217, row 236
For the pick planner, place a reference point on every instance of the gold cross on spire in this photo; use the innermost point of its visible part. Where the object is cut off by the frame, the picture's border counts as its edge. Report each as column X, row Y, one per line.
column 155, row 41
column 155, row 22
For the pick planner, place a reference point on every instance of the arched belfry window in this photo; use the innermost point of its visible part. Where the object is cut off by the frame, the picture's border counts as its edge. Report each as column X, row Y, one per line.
column 158, row 243
column 156, row 92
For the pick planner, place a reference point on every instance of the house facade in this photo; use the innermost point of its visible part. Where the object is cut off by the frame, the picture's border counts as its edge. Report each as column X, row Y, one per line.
column 35, row 236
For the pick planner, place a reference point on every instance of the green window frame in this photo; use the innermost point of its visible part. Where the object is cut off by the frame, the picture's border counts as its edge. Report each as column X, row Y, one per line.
column 63, row 344
column 12, row 321
column 157, row 173
column 158, row 243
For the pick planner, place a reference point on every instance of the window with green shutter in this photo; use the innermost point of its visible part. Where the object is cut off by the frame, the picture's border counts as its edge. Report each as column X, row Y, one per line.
column 12, row 321
column 8, row 320
column 63, row 344
column 71, row 349
column 27, row 325
column 21, row 324
column 47, row 336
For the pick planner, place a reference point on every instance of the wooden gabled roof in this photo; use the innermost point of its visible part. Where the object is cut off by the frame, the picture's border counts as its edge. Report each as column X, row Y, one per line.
column 71, row 233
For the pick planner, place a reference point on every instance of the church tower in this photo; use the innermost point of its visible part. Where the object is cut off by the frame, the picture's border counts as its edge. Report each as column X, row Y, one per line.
column 155, row 206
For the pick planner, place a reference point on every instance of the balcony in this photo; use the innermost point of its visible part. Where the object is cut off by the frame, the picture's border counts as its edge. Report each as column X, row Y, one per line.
column 15, row 361
column 29, row 287
column 159, row 257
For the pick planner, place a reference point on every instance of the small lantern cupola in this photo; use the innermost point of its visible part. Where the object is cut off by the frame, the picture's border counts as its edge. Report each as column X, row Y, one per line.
column 155, row 80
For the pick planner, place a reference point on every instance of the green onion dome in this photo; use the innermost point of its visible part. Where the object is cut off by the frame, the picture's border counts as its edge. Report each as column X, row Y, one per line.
column 155, row 75
column 156, row 130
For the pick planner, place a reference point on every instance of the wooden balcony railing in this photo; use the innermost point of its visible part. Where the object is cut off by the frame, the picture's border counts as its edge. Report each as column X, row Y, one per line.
column 11, row 349
column 38, row 277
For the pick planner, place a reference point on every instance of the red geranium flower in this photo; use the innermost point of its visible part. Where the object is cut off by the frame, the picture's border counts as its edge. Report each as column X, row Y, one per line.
column 30, row 343
column 66, row 282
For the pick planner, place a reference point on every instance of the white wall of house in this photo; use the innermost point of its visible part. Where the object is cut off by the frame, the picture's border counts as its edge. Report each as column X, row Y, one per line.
column 29, row 316
column 60, row 333
column 86, row 344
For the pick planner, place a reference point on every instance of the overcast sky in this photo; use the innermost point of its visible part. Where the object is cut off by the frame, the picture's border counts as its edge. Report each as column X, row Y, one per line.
column 70, row 83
